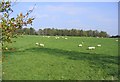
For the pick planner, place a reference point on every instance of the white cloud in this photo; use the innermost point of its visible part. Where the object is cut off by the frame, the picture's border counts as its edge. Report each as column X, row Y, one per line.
column 64, row 9
column 102, row 18
column 72, row 10
column 39, row 16
column 46, row 17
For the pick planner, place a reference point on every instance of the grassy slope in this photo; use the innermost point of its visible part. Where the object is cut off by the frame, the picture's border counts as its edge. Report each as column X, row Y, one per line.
column 61, row 59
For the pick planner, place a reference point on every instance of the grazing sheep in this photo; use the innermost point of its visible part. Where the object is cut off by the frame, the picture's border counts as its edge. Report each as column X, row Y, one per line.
column 116, row 40
column 97, row 37
column 6, row 48
column 66, row 38
column 48, row 36
column 37, row 44
column 99, row 45
column 91, row 48
column 56, row 38
column 62, row 37
column 80, row 45
column 42, row 45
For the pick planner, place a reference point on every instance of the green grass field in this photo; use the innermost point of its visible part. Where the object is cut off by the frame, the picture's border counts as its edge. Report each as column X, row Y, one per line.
column 61, row 59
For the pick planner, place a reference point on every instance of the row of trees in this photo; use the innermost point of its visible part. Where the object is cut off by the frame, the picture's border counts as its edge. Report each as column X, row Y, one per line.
column 62, row 32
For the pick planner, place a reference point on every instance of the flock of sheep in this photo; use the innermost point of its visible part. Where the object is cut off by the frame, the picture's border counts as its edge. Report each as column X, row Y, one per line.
column 39, row 44
column 89, row 47
column 42, row 45
column 80, row 45
column 57, row 37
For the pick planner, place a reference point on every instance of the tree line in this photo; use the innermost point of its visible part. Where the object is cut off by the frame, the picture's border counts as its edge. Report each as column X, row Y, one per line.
column 62, row 32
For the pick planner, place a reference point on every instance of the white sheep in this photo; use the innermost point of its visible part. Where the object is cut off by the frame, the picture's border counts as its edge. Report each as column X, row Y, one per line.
column 48, row 36
column 6, row 48
column 66, row 38
column 57, row 37
column 62, row 37
column 99, row 45
column 91, row 48
column 37, row 43
column 80, row 45
column 116, row 40
column 42, row 45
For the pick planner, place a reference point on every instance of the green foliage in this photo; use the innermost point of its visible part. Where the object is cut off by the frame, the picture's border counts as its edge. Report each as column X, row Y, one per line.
column 9, row 26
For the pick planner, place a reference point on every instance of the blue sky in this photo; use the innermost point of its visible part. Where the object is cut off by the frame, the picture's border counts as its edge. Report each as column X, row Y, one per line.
column 78, row 15
column 66, row 0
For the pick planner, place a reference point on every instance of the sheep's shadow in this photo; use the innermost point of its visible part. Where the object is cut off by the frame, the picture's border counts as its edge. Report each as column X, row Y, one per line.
column 96, row 60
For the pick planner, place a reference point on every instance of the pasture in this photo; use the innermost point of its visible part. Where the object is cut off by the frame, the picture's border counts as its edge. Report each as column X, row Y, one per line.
column 61, row 59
